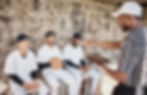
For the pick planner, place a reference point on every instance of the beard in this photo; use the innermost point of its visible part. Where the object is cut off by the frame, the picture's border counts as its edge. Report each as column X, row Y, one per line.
column 126, row 28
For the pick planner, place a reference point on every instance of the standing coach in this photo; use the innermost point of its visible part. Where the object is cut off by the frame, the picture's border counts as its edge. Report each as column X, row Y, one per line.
column 131, row 72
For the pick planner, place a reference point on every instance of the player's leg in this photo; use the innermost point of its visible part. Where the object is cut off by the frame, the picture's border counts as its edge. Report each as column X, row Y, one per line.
column 95, row 76
column 17, row 90
column 68, row 80
column 52, row 81
column 54, row 85
column 77, row 75
column 43, row 90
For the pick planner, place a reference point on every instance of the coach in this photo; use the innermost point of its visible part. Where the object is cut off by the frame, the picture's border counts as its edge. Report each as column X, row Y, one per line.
column 131, row 72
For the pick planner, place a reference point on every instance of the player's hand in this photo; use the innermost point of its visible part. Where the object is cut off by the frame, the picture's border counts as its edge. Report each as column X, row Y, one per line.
column 56, row 63
column 84, row 69
column 35, row 84
column 27, row 86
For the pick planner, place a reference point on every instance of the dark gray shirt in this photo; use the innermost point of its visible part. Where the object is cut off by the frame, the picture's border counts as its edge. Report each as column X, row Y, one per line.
column 133, row 54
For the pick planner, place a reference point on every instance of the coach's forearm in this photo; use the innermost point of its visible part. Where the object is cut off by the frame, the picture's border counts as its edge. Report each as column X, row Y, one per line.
column 108, row 44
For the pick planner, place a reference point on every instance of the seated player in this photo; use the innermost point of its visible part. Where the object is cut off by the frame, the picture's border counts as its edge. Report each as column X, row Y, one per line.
column 49, row 59
column 76, row 64
column 21, row 68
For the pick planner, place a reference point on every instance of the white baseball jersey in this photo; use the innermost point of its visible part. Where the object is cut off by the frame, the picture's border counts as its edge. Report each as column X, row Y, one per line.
column 51, row 76
column 74, row 54
column 21, row 66
column 45, row 53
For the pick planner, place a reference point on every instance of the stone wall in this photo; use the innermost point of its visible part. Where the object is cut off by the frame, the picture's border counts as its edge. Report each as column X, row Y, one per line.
column 35, row 17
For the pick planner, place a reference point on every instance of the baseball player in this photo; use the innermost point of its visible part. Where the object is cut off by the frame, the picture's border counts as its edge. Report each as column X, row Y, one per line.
column 21, row 68
column 76, row 64
column 50, row 60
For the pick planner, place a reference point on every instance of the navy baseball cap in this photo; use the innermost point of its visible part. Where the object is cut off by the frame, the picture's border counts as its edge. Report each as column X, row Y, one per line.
column 50, row 33
column 77, row 35
column 21, row 37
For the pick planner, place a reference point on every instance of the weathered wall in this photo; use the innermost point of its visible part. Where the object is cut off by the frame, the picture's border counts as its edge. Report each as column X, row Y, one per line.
column 35, row 17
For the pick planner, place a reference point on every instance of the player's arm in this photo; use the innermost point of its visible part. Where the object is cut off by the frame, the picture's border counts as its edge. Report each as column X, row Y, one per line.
column 43, row 65
column 83, row 63
column 71, row 64
column 16, row 79
column 10, row 70
column 67, row 58
column 119, row 76
column 19, row 81
column 34, row 74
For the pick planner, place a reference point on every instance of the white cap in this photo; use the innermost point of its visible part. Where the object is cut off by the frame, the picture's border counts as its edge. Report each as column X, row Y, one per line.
column 129, row 8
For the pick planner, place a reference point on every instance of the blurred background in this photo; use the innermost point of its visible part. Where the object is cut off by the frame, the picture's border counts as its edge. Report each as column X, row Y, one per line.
column 35, row 17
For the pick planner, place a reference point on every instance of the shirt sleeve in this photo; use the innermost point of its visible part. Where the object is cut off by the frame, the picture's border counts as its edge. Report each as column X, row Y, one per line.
column 42, row 64
column 83, row 63
column 10, row 66
column 34, row 65
column 71, row 64
column 34, row 74
column 16, row 79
